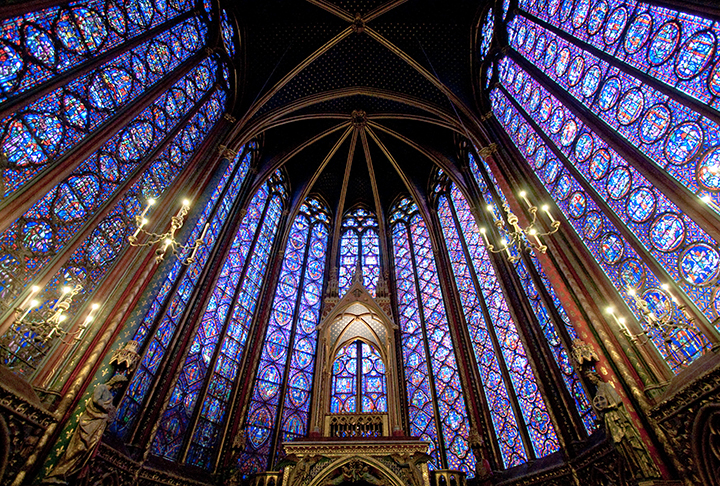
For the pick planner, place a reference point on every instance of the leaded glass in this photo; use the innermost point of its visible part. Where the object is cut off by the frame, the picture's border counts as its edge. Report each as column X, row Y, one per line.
column 40, row 45
column 43, row 131
column 228, row 34
column 664, row 236
column 215, row 213
column 231, row 301
column 359, row 240
column 428, row 353
column 290, row 336
column 595, row 229
column 35, row 238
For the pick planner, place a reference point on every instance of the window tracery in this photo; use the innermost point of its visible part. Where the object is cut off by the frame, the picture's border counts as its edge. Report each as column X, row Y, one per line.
column 359, row 241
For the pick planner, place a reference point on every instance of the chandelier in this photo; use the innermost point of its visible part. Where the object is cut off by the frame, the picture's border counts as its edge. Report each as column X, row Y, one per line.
column 46, row 323
column 516, row 237
column 168, row 238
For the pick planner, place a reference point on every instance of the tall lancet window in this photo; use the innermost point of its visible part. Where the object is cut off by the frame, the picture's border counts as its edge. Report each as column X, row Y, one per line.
column 196, row 410
column 359, row 240
column 592, row 103
column 358, row 380
column 558, row 333
column 157, row 330
column 435, row 396
column 509, row 383
column 108, row 100
column 280, row 404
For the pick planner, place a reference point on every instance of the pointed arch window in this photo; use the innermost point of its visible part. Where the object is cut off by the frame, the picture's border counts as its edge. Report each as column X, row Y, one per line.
column 512, row 392
column 591, row 103
column 358, row 380
column 199, row 400
column 436, row 406
column 280, row 405
column 179, row 284
column 126, row 98
column 359, row 240
column 558, row 333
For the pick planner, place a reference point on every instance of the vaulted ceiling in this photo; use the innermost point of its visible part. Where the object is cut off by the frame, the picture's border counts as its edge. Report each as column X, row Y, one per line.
column 357, row 99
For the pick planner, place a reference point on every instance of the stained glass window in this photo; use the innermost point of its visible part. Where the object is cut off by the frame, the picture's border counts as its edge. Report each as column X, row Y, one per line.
column 215, row 212
column 124, row 173
column 632, row 66
column 435, row 397
column 228, row 33
column 358, row 380
column 57, row 39
column 218, row 344
column 283, row 382
column 37, row 135
column 539, row 306
column 359, row 240
column 492, row 323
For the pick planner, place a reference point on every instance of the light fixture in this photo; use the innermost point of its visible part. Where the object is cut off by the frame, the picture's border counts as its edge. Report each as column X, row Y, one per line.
column 44, row 323
column 168, row 238
column 515, row 236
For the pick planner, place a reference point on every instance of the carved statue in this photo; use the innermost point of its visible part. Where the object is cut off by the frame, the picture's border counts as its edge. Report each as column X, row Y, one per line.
column 618, row 426
column 353, row 472
column 99, row 412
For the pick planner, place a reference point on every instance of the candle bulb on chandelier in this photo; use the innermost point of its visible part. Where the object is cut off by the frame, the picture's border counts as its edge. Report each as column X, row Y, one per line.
column 546, row 208
column 150, row 202
column 198, row 243
column 484, row 235
column 33, row 303
column 504, row 243
column 533, row 232
column 623, row 324
column 523, row 195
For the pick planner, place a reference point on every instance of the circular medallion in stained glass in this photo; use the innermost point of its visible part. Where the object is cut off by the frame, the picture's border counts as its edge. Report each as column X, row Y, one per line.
column 577, row 204
column 139, row 68
column 140, row 12
column 75, row 111
column 577, row 67
column 81, row 30
column 563, row 61
column 695, row 55
column 135, row 141
column 708, row 170
column 615, row 25
column 609, row 93
column 667, row 232
column 531, row 145
column 566, row 10
column 630, row 107
column 550, row 54
column 190, row 37
column 540, row 46
column 540, row 157
column 699, row 264
column 534, row 102
column 640, row 205
column 618, row 182
column 599, row 164
column 530, row 40
column 584, row 147
column 40, row 45
column 552, row 170
column 591, row 81
column 658, row 302
column 632, row 273
column 556, row 120
column 683, row 142
column 10, row 64
column 259, row 434
column 593, row 226
column 597, row 17
column 37, row 237
column 519, row 82
column 520, row 35
column 271, row 381
column 655, row 123
column 276, row 344
column 664, row 43
column 611, row 249
column 115, row 17
column 569, row 131
column 522, row 134
column 514, row 124
column 562, row 190
column 553, row 7
column 582, row 9
column 297, row 397
column 638, row 33
column 545, row 110
column 714, row 80
column 527, row 91
column 158, row 57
